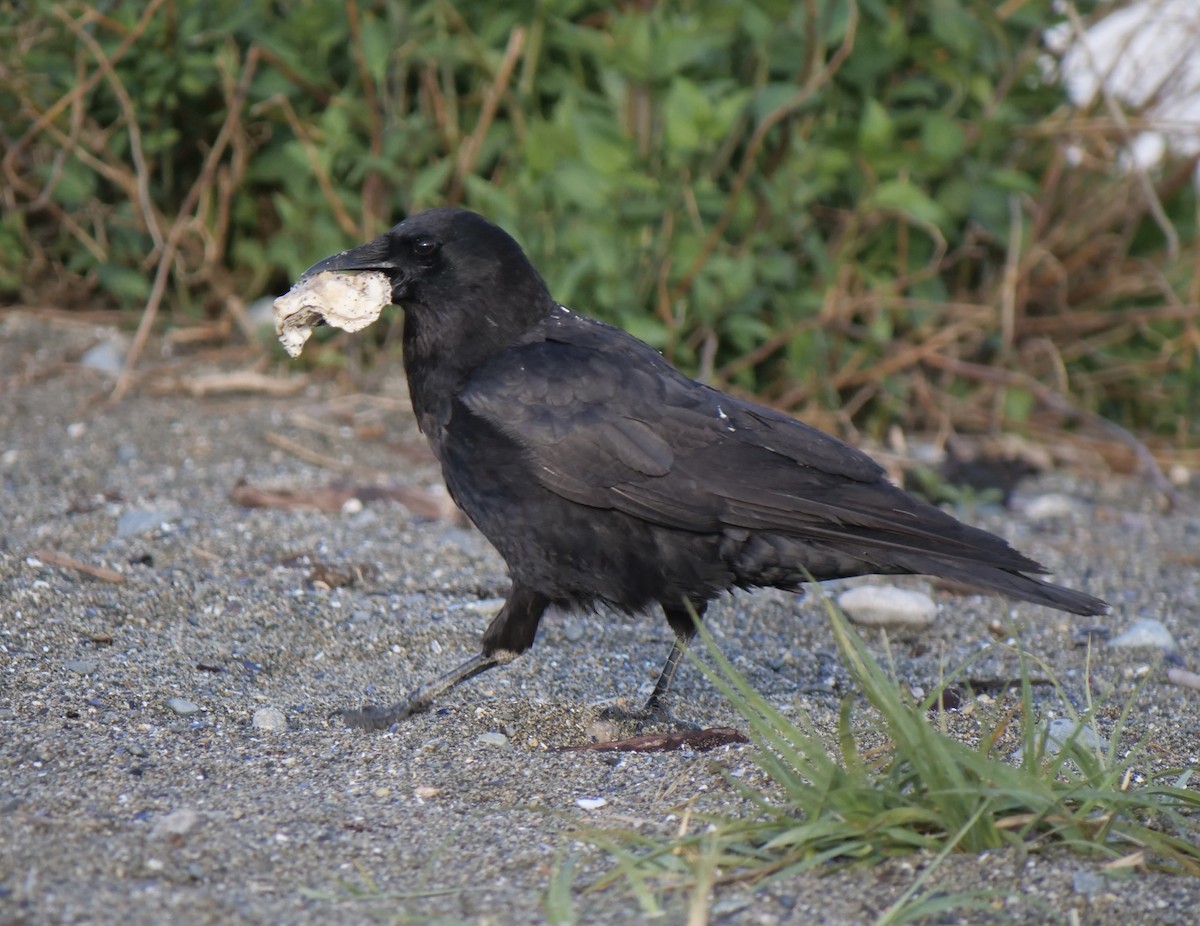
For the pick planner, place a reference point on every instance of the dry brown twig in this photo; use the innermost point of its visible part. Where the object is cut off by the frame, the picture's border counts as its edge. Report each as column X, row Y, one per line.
column 373, row 199
column 103, row 573
column 129, row 113
column 468, row 152
column 340, row 213
column 229, row 383
column 421, row 502
column 203, row 183
column 696, row 740
column 78, row 92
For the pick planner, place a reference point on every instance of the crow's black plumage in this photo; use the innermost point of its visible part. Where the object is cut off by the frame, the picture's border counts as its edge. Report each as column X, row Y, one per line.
column 603, row 474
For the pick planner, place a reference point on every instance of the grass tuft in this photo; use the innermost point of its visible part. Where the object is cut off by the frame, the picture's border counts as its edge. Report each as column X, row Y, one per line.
column 922, row 791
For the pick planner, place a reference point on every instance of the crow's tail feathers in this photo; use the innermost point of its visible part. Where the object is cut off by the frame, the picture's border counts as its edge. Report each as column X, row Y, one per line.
column 1013, row 585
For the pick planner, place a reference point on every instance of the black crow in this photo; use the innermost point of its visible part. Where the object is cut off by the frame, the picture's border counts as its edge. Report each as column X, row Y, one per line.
column 603, row 474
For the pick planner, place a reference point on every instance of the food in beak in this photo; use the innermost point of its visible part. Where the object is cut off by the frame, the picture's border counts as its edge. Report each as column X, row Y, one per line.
column 349, row 300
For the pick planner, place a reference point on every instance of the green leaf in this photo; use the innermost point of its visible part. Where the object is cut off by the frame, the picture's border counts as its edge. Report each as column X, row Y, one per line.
column 376, row 47
column 942, row 137
column 903, row 197
column 770, row 98
column 1018, row 181
column 602, row 145
column 128, row 285
column 687, row 112
column 1018, row 403
column 876, row 129
column 427, row 186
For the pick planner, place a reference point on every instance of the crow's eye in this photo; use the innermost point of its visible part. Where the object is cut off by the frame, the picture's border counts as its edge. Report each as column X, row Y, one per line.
column 425, row 247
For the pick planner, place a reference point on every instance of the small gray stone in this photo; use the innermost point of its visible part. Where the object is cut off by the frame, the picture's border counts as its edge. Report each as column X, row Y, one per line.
column 126, row 453
column 484, row 605
column 1060, row 730
column 177, row 823
column 493, row 738
column 81, row 666
column 1087, row 882
column 1146, row 634
column 1092, row 635
column 1050, row 507
column 730, row 905
column 603, row 731
column 574, row 631
column 182, row 706
column 271, row 719
column 107, row 357
column 887, row 606
column 142, row 520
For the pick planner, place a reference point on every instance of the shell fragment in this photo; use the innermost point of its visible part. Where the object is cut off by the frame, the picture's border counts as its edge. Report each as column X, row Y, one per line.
column 349, row 300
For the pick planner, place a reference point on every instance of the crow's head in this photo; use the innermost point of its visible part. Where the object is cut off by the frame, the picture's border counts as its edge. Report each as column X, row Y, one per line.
column 453, row 265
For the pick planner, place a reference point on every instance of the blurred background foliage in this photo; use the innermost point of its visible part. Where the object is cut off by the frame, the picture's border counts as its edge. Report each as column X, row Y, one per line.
column 870, row 214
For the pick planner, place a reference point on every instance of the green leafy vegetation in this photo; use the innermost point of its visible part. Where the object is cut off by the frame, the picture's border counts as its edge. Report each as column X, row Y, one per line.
column 863, row 212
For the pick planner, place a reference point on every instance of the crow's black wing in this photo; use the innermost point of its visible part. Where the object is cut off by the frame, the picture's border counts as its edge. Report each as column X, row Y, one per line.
column 606, row 422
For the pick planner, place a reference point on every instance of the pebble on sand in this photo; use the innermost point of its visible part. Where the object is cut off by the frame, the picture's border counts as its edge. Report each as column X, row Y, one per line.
column 887, row 606
column 1053, row 506
column 143, row 520
column 108, row 356
column 1146, row 633
column 177, row 823
column 271, row 719
column 1063, row 730
column 182, row 706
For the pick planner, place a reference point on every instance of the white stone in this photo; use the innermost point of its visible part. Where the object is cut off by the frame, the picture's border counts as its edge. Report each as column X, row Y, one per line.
column 270, row 719
column 1146, row 634
column 107, row 357
column 887, row 606
column 177, row 823
column 1063, row 730
column 1051, row 507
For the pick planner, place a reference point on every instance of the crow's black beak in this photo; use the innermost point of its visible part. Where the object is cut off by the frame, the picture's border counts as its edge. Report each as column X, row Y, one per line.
column 374, row 255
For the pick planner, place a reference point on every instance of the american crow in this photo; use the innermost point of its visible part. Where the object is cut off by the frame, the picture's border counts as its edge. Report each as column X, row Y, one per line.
column 603, row 474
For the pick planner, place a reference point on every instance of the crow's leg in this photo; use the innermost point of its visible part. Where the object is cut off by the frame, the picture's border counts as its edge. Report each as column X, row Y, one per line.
column 655, row 708
column 419, row 700
column 683, row 623
column 511, row 632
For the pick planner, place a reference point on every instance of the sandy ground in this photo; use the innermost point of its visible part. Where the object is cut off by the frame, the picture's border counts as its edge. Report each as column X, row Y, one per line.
column 117, row 808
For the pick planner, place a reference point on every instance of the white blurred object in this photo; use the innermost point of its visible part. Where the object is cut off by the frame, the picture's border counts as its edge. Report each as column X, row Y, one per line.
column 1145, row 56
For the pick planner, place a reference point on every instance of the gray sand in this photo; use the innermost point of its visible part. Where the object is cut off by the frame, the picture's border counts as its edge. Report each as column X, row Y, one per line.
column 115, row 808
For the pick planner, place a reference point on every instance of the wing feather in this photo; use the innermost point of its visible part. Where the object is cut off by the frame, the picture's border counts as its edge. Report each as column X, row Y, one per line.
column 606, row 422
